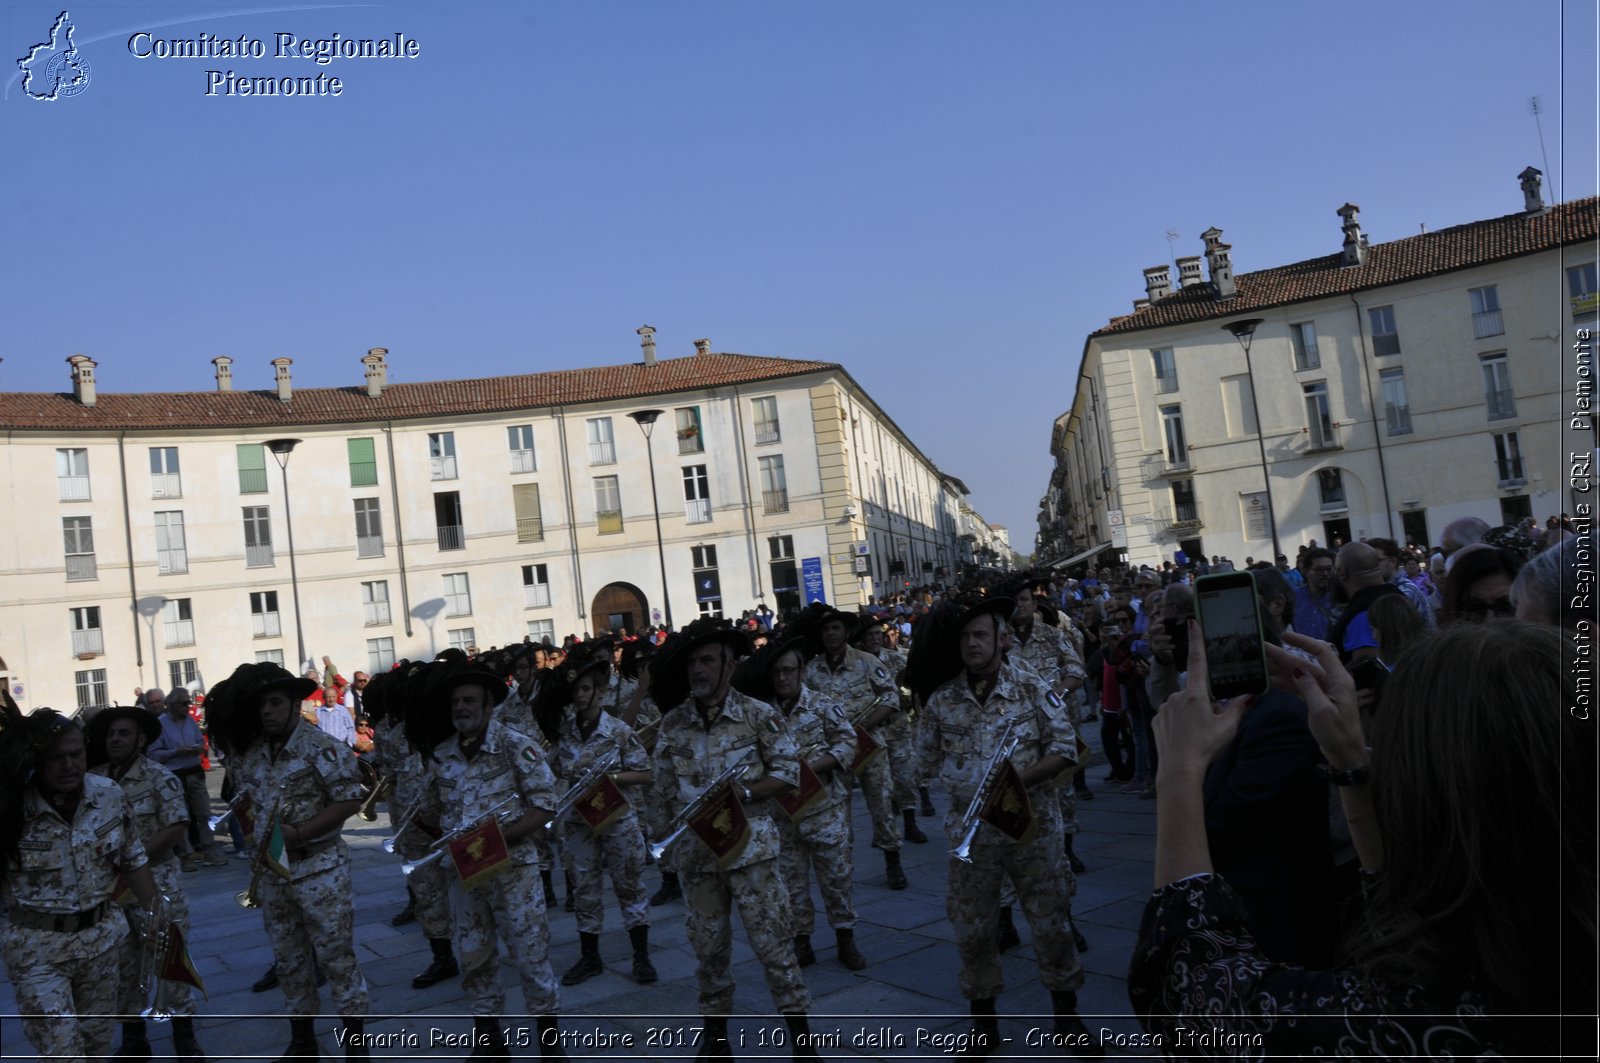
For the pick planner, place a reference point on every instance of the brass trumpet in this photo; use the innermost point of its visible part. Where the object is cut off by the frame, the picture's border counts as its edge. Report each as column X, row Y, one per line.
column 248, row 898
column 441, row 846
column 233, row 807
column 368, row 810
column 581, row 787
column 156, row 941
column 390, row 843
column 971, row 820
column 680, row 822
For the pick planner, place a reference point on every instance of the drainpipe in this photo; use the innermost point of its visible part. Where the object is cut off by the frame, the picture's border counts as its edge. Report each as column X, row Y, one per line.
column 127, row 538
column 744, row 487
column 399, row 531
column 572, row 514
column 1377, row 433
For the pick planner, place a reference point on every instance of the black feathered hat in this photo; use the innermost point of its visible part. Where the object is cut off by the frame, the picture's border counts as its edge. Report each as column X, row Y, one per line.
column 669, row 674
column 232, row 707
column 753, row 677
column 935, row 656
column 23, row 740
column 95, row 734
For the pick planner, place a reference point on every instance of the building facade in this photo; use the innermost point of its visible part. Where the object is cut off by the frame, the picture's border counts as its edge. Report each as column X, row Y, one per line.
column 155, row 539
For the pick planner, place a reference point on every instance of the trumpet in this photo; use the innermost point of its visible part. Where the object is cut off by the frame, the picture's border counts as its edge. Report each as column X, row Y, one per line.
column 390, row 843
column 248, row 897
column 970, row 820
column 237, row 803
column 156, row 941
column 680, row 822
column 441, row 846
column 368, row 810
column 570, row 799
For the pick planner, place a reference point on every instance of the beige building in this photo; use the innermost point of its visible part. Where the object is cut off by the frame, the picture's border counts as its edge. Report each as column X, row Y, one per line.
column 1383, row 390
column 150, row 539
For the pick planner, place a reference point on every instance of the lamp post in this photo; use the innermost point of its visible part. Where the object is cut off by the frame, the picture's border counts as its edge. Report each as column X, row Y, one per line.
column 646, row 420
column 1244, row 331
column 281, row 449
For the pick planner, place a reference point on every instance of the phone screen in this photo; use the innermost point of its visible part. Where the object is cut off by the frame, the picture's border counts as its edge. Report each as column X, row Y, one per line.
column 1230, row 616
column 1178, row 632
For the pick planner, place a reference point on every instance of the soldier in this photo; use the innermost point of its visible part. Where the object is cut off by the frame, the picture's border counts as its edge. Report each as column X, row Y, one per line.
column 527, row 671
column 711, row 728
column 898, row 739
column 617, row 697
column 306, row 783
column 815, row 833
column 65, row 836
column 475, row 764
column 971, row 695
column 891, row 644
column 861, row 685
column 117, row 740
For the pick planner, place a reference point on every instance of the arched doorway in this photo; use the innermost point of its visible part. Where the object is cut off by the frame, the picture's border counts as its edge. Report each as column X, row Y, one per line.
column 617, row 606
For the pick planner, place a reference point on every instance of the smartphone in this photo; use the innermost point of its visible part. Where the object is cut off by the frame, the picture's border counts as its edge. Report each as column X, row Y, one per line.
column 1230, row 616
column 1370, row 674
column 1178, row 632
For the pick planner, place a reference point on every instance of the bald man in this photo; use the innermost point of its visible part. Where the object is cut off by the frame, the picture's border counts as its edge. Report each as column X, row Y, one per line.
column 1359, row 570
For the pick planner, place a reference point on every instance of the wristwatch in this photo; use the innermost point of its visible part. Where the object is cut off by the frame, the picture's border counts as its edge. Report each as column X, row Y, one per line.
column 745, row 792
column 1353, row 777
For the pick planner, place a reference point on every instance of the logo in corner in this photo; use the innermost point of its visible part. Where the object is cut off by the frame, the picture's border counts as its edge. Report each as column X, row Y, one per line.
column 57, row 65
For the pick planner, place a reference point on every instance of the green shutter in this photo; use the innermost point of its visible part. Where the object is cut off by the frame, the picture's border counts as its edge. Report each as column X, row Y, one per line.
column 363, row 463
column 530, row 522
column 252, row 469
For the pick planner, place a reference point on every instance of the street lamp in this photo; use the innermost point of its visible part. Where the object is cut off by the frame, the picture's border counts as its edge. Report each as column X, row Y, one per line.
column 646, row 420
column 1244, row 331
column 281, row 449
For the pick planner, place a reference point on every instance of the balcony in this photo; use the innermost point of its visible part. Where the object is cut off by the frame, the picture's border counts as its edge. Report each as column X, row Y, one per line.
column 767, row 432
column 1501, row 403
column 265, row 625
column 690, row 441
column 1399, row 420
column 530, row 529
column 603, row 452
column 1185, row 519
column 258, row 556
column 697, row 511
column 1166, row 465
column 775, row 501
column 443, row 468
column 522, row 461
column 1335, row 504
column 369, row 546
column 1323, row 437
column 1385, row 344
column 166, row 485
column 81, row 567
column 180, row 632
column 1486, row 323
column 74, row 488
column 452, row 537
column 172, row 562
column 376, row 614
column 609, row 521
column 1510, row 474
column 90, row 643
column 536, row 595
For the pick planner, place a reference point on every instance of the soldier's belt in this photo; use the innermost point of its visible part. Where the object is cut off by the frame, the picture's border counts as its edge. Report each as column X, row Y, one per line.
column 305, row 852
column 65, row 924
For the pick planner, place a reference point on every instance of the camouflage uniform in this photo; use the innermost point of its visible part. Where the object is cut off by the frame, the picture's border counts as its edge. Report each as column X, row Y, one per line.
column 822, row 838
column 430, row 886
column 66, row 980
column 311, row 913
column 1049, row 654
column 689, row 755
column 619, row 848
column 900, row 737
column 510, row 904
column 860, row 685
column 956, row 736
column 156, row 801
column 516, row 712
column 618, row 692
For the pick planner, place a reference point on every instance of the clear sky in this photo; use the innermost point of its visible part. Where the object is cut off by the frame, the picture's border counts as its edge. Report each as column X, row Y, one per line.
column 944, row 197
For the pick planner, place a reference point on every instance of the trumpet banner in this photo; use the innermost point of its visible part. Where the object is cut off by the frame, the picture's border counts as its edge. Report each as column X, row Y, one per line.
column 601, row 804
column 275, row 853
column 244, row 814
column 480, row 853
column 797, row 802
column 1007, row 808
column 176, row 964
column 723, row 826
column 867, row 751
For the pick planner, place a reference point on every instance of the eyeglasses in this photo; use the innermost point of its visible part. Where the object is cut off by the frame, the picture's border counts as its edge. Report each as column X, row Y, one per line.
column 1483, row 610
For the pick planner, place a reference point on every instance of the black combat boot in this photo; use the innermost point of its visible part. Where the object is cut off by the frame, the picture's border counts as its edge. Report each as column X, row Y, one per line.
column 135, row 1045
column 716, row 1049
column 408, row 914
column 644, row 972
column 355, row 1039
column 1068, row 1024
column 804, row 955
column 895, row 873
column 671, row 890
column 1005, row 931
column 549, row 890
column 588, row 964
column 849, row 955
column 488, row 1039
column 927, row 802
column 303, row 1046
column 184, row 1043
column 984, row 1036
column 549, row 1038
column 913, row 832
column 266, row 981
column 1078, row 867
column 443, row 967
column 800, row 1037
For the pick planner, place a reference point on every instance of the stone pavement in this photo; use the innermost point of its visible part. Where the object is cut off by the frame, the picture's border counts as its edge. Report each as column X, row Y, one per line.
column 908, row 991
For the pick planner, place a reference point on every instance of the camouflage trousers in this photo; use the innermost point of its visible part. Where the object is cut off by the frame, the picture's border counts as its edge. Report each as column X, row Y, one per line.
column 176, row 997
column 429, row 887
column 822, row 840
column 1038, row 869
column 897, row 735
column 764, row 909
column 508, row 907
column 619, row 850
column 66, row 987
column 875, row 787
column 314, row 917
column 1067, row 803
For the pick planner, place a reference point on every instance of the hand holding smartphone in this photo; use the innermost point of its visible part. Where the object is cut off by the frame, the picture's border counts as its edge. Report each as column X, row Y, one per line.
column 1230, row 618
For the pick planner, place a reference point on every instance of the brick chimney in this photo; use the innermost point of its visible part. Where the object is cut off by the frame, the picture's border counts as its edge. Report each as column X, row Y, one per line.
column 1157, row 282
column 1140, row 304
column 702, row 347
column 224, row 366
column 280, row 372
column 1189, row 271
column 1219, row 262
column 1532, row 199
column 647, row 340
column 377, row 371
column 82, row 379
column 1355, row 242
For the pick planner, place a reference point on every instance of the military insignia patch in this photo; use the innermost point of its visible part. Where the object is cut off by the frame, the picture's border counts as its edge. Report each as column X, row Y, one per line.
column 885, row 675
column 1053, row 698
column 330, row 755
column 530, row 754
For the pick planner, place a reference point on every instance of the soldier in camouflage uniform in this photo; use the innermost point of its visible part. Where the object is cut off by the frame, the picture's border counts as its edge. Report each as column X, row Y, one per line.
column 516, row 711
column 859, row 683
column 117, row 740
column 65, row 836
column 898, row 737
column 959, row 730
column 713, row 729
column 908, row 702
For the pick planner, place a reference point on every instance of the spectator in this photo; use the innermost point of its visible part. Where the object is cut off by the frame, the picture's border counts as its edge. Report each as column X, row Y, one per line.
column 1314, row 611
column 1547, row 591
column 1116, row 740
column 1479, row 583
column 1396, row 627
column 1393, row 561
column 179, row 749
column 1359, row 570
column 1459, row 533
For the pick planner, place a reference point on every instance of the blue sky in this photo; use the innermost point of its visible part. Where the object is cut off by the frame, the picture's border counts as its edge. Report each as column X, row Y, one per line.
column 944, row 197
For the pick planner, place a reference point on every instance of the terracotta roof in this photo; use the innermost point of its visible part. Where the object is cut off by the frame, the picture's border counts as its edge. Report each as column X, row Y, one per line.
column 442, row 398
column 1424, row 255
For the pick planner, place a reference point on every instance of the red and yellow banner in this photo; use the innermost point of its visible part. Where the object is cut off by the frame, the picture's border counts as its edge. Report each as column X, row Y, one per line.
column 480, row 853
column 797, row 802
column 1008, row 810
column 602, row 804
column 723, row 826
column 177, row 966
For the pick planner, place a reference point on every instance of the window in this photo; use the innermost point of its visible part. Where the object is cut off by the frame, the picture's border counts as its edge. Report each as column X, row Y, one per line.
column 1514, row 509
column 1166, row 371
column 1581, row 287
column 264, row 614
column 164, row 479
column 442, row 455
column 172, row 551
column 380, row 655
column 1385, row 340
column 447, row 517
column 602, row 448
column 707, row 581
column 1497, row 387
column 270, row 657
column 1330, row 484
column 765, row 413
column 457, row 594
column 1396, row 410
column 1304, row 338
column 704, row 556
column 696, row 494
column 91, row 688
column 1319, row 417
column 542, row 631
column 87, row 638
column 363, row 462
column 530, row 518
column 785, row 575
column 375, row 602
column 691, row 439
column 182, row 674
column 77, row 534
column 72, row 473
column 774, row 487
column 464, row 639
column 369, row 528
column 1177, row 449
column 1185, row 510
column 607, row 504
column 1486, row 312
column 257, row 537
column 1508, row 459
column 536, row 586
column 179, row 622
column 252, row 469
column 520, row 439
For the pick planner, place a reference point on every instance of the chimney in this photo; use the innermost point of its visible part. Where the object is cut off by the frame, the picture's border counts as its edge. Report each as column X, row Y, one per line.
column 224, row 366
column 1532, row 201
column 1355, row 244
column 1157, row 282
column 280, row 370
column 1189, row 271
column 1219, row 263
column 82, row 378
column 1140, row 304
column 647, row 340
column 702, row 347
column 377, row 371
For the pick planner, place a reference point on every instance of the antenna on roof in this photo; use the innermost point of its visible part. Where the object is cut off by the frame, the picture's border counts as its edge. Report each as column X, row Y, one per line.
column 1172, row 234
column 1535, row 109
